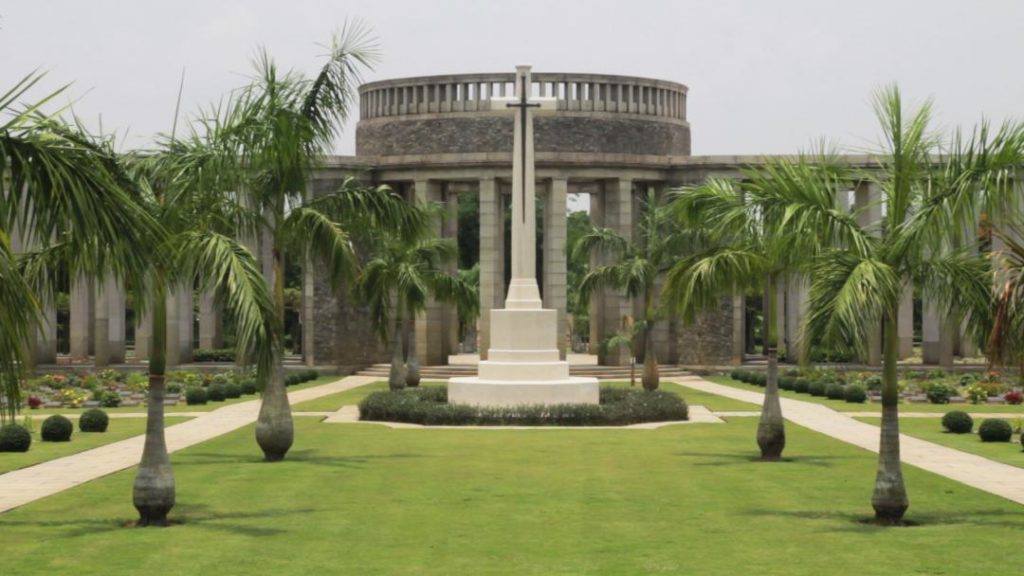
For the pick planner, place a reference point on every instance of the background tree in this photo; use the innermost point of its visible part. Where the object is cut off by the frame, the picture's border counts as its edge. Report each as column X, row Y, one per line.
column 1006, row 338
column 59, row 191
column 929, row 202
column 757, row 234
column 635, row 268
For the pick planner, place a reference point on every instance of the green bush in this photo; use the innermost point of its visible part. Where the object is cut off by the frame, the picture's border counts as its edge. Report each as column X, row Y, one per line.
column 735, row 374
column 195, row 396
column 939, row 393
column 56, row 428
column 835, row 391
column 995, row 430
column 855, row 394
column 759, row 379
column 873, row 383
column 786, row 382
column 232, row 390
column 174, row 388
column 216, row 393
column 801, row 385
column 957, row 422
column 816, row 388
column 742, row 376
column 428, row 405
column 93, row 420
column 15, row 438
column 214, row 355
column 110, row 399
column 248, row 386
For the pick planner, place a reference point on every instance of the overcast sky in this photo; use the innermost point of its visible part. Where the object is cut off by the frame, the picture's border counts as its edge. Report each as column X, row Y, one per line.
column 764, row 77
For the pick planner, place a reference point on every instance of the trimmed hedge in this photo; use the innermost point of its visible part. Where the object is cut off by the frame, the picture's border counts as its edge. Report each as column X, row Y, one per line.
column 958, row 422
column 15, row 438
column 854, row 394
column 214, row 355
column 835, row 391
column 995, row 430
column 216, row 392
column 786, row 382
column 429, row 405
column 816, row 388
column 232, row 390
column 801, row 385
column 248, row 386
column 195, row 396
column 294, row 378
column 93, row 420
column 56, row 428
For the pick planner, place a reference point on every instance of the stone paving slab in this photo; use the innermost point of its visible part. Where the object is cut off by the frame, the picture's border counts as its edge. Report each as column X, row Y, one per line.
column 981, row 473
column 22, row 486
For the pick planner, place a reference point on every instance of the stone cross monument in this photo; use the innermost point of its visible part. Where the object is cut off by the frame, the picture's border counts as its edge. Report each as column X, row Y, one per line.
column 523, row 365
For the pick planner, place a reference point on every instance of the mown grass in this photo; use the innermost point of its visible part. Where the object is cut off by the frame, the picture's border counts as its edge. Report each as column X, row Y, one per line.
column 930, row 429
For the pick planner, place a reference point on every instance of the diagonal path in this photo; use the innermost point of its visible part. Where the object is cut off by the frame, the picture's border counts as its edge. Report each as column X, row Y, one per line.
column 22, row 486
column 981, row 473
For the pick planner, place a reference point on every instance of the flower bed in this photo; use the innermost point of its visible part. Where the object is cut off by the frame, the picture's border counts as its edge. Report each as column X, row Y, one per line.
column 429, row 405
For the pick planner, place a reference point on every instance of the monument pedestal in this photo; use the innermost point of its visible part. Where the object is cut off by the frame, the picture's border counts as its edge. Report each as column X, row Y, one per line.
column 523, row 366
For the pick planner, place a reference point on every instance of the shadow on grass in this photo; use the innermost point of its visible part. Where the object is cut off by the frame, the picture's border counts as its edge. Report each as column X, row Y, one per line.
column 733, row 459
column 308, row 456
column 191, row 515
column 864, row 522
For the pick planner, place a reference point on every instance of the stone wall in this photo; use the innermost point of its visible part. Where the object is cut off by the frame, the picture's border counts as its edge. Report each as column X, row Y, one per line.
column 598, row 133
column 709, row 340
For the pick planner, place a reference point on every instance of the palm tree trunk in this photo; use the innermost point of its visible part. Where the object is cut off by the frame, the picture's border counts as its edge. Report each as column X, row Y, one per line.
column 651, row 378
column 396, row 374
column 275, row 431
column 771, row 429
column 153, row 490
column 890, row 496
column 412, row 359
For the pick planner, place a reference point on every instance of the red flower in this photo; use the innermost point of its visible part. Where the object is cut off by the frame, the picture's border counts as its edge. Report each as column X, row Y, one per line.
column 34, row 402
column 1014, row 397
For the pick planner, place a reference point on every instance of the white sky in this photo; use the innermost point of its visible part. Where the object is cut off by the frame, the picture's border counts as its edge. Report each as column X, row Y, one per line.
column 764, row 77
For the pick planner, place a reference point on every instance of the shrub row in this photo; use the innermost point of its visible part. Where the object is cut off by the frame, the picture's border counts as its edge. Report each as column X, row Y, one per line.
column 990, row 430
column 827, row 389
column 220, row 391
column 214, row 355
column 428, row 405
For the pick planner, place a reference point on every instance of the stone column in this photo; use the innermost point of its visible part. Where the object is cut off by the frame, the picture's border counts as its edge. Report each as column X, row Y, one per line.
column 179, row 325
column 210, row 336
column 143, row 334
column 308, row 315
column 431, row 339
column 867, row 203
column 906, row 325
column 555, row 260
column 43, row 350
column 618, row 216
column 492, row 259
column 595, row 308
column 796, row 312
column 739, row 329
column 81, row 328
column 937, row 341
column 451, row 230
column 109, row 322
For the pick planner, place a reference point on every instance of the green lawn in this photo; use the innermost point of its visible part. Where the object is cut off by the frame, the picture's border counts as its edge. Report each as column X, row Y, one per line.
column 119, row 429
column 334, row 402
column 842, row 406
column 930, row 429
column 360, row 499
column 182, row 407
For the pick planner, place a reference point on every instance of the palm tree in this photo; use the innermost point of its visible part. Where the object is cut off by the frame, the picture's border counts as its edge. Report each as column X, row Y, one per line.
column 396, row 283
column 59, row 191
column 625, row 339
column 1006, row 338
column 755, row 235
column 636, row 268
column 928, row 203
column 269, row 138
column 199, row 249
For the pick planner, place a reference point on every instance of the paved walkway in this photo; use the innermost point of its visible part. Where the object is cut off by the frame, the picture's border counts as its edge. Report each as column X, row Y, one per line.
column 22, row 486
column 981, row 473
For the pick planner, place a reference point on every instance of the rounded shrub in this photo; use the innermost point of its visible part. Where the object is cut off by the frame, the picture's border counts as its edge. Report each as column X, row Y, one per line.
column 786, row 382
column 734, row 374
column 195, row 396
column 835, row 391
column 14, row 438
column 855, row 394
column 743, row 376
column 232, row 390
column 248, row 386
column 816, row 388
column 939, row 393
column 93, row 420
column 958, row 422
column 759, row 379
column 56, row 428
column 995, row 430
column 110, row 399
column 216, row 393
column 873, row 382
column 801, row 385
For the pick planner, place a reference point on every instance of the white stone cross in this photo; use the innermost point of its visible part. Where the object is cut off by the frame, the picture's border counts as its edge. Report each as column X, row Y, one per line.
column 522, row 290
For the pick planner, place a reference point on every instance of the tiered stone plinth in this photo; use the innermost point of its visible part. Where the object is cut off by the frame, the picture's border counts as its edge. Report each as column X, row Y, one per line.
column 523, row 366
